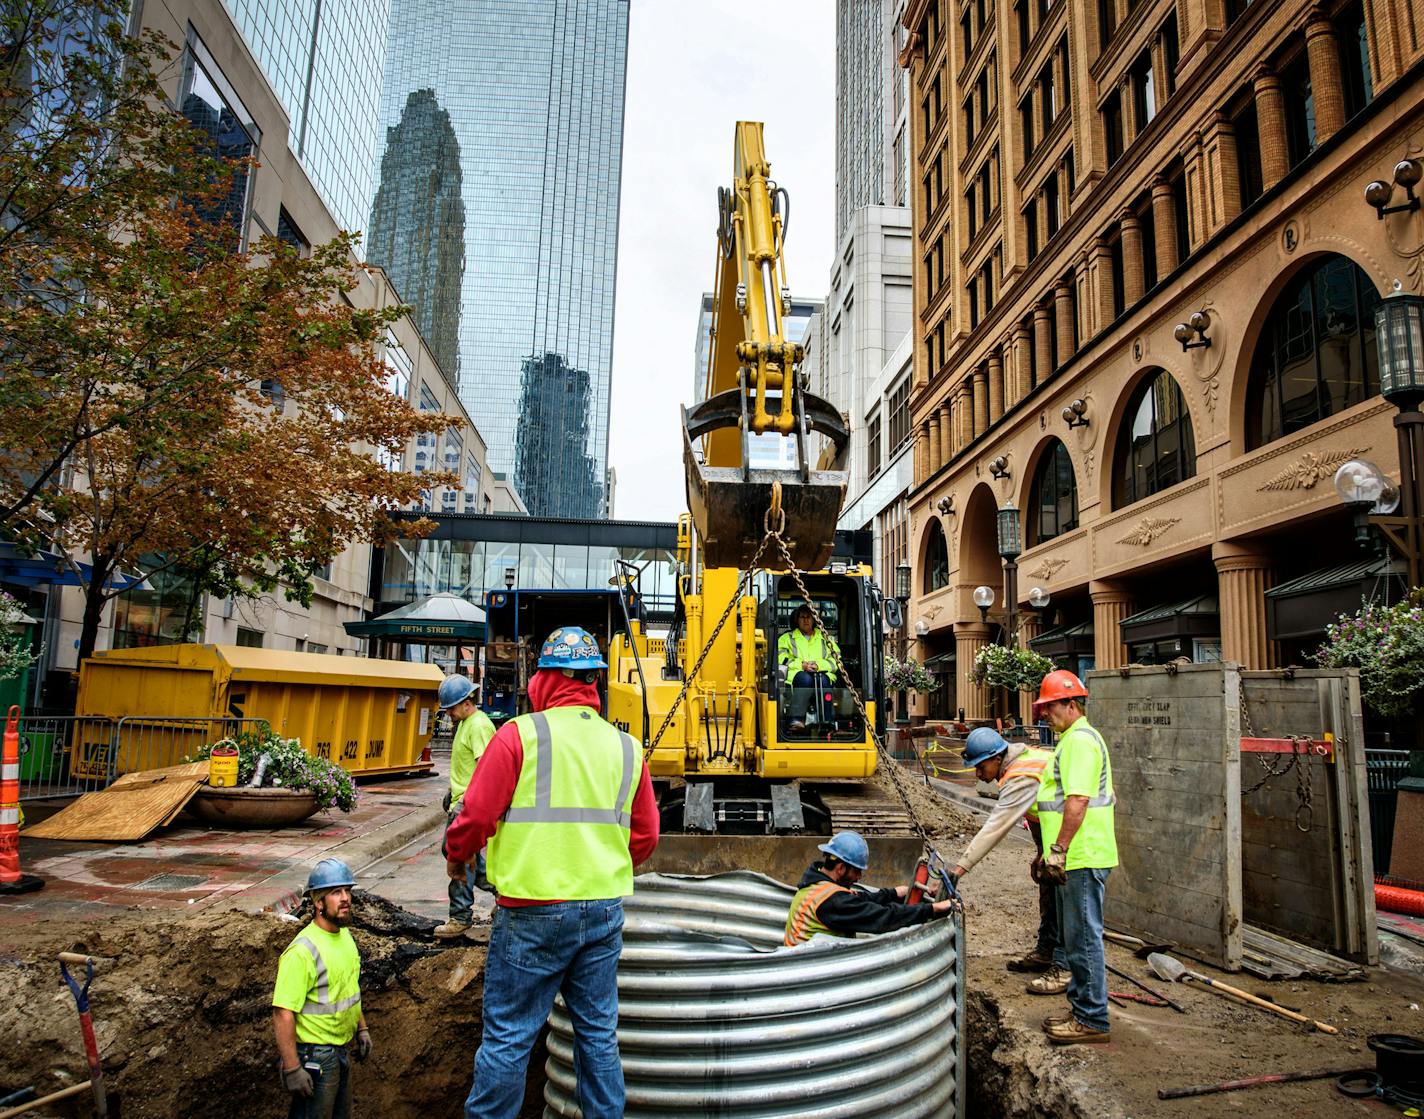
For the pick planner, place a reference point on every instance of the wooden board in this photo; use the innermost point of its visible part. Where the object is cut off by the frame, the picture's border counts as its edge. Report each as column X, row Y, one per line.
column 128, row 809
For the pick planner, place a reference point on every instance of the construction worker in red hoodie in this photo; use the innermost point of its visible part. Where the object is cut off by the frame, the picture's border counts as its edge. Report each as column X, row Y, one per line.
column 564, row 808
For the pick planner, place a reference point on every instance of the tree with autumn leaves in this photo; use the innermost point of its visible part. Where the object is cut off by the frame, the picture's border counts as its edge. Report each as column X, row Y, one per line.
column 137, row 333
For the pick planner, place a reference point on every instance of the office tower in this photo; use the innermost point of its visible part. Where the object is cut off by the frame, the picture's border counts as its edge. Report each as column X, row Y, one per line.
column 325, row 59
column 418, row 222
column 870, row 102
column 534, row 94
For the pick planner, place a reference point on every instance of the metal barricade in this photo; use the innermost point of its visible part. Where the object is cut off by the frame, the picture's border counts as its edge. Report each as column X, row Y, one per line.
column 65, row 755
column 1384, row 769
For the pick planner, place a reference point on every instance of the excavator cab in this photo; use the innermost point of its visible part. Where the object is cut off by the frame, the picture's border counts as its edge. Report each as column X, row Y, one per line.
column 815, row 707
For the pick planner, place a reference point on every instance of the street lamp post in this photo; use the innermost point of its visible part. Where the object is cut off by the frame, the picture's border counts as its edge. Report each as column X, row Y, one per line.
column 1399, row 336
column 902, row 596
column 1010, row 548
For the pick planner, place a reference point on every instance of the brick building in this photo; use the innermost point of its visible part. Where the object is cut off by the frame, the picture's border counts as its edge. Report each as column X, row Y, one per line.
column 1087, row 178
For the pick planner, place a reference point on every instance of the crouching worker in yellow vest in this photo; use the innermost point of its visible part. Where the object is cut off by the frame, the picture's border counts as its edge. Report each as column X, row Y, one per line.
column 316, row 1006
column 828, row 902
column 1018, row 769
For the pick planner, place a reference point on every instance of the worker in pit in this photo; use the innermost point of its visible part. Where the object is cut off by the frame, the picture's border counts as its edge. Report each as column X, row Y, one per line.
column 316, row 1004
column 567, row 807
column 829, row 903
column 1075, row 812
column 1018, row 768
column 473, row 732
column 809, row 657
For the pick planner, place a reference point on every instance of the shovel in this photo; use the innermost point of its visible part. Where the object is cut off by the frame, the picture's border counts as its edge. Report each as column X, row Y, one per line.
column 1174, row 971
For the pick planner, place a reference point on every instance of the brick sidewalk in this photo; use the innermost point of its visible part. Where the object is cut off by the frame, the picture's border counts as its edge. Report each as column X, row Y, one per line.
column 189, row 866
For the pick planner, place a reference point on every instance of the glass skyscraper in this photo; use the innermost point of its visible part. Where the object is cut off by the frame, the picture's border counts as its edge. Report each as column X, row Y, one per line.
column 533, row 90
column 324, row 59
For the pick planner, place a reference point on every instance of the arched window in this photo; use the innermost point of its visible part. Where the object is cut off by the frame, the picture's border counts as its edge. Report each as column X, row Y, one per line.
column 936, row 559
column 1053, row 498
column 1155, row 448
column 1316, row 355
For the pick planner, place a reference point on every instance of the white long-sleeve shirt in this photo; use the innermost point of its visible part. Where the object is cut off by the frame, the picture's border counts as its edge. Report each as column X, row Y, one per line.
column 1016, row 797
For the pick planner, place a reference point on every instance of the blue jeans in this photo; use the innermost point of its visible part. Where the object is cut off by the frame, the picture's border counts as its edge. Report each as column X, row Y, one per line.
column 1050, row 943
column 535, row 952
column 809, row 686
column 1080, row 913
column 462, row 891
column 332, row 1097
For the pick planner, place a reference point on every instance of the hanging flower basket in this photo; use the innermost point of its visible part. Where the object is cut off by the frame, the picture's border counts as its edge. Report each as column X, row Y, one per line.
column 1018, row 670
column 1386, row 643
column 908, row 676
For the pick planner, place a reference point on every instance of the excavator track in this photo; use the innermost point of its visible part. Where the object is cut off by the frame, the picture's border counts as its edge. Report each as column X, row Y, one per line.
column 873, row 818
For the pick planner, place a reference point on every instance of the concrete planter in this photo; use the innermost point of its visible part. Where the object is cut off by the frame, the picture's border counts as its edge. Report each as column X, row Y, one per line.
column 252, row 808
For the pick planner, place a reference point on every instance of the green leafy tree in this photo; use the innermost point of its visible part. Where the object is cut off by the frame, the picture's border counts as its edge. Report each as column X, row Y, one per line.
column 139, row 335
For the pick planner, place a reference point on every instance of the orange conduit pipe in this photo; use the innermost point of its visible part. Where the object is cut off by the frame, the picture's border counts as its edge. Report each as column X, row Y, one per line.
column 1396, row 899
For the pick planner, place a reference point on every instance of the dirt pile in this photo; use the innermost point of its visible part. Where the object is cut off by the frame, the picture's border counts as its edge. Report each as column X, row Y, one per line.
column 942, row 819
column 183, row 1014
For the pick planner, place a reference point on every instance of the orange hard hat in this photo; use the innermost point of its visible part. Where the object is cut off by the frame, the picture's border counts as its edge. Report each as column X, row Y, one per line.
column 1061, row 684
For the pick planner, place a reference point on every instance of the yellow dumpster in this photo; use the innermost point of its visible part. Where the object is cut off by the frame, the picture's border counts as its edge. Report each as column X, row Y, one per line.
column 151, row 707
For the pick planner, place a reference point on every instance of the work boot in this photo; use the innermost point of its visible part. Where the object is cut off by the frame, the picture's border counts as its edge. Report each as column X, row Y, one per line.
column 1052, row 1021
column 451, row 929
column 1054, row 981
column 1030, row 961
column 1073, row 1032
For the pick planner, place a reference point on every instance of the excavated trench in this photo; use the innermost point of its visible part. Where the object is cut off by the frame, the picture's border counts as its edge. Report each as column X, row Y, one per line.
column 182, row 1016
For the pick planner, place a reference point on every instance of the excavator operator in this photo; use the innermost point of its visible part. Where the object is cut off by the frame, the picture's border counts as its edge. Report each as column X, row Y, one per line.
column 809, row 658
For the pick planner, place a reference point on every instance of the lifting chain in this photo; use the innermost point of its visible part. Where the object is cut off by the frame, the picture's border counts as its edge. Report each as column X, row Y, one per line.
column 1304, row 778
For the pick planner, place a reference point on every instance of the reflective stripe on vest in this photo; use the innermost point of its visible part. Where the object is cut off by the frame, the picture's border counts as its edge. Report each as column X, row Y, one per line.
column 1031, row 763
column 543, row 811
column 322, row 1004
column 1104, row 799
column 803, row 922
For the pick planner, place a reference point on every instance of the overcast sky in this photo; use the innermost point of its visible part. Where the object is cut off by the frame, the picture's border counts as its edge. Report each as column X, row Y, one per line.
column 694, row 70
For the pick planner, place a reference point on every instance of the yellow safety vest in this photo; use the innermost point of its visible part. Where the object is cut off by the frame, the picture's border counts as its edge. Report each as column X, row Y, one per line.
column 795, row 647
column 802, row 922
column 565, row 833
column 1031, row 763
column 332, row 1009
column 1095, row 844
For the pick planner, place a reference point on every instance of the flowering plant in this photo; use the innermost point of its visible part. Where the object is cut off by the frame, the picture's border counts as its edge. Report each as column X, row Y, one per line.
column 1019, row 670
column 14, row 649
column 289, row 767
column 1386, row 643
column 908, row 676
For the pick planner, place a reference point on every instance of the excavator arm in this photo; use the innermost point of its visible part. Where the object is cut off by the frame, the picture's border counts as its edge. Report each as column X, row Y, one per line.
column 752, row 388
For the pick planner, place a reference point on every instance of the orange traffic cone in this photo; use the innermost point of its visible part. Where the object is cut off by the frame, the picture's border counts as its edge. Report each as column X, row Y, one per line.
column 11, row 880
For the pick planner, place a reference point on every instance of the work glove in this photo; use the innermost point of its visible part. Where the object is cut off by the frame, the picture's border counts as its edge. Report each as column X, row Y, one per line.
column 1035, row 868
column 1055, row 865
column 363, row 1043
column 298, row 1081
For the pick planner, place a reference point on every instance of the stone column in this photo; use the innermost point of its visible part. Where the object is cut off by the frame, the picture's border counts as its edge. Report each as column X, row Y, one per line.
column 946, row 426
column 1112, row 602
column 1130, row 124
column 1243, row 577
column 922, row 452
column 1134, row 281
column 1083, row 295
column 1222, row 188
column 1165, row 83
column 1164, row 221
column 1063, row 313
column 996, row 385
column 1327, row 89
column 969, row 638
column 1042, row 342
column 1102, row 276
column 964, row 406
column 981, row 401
column 1271, row 126
column 1019, row 379
column 936, row 445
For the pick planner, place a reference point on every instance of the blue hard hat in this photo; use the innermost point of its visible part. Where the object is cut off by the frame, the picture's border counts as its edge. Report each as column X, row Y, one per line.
column 571, row 647
column 329, row 874
column 454, row 690
column 849, row 847
column 982, row 744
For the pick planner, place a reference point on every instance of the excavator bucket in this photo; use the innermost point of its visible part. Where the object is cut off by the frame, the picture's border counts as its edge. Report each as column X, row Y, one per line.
column 729, row 503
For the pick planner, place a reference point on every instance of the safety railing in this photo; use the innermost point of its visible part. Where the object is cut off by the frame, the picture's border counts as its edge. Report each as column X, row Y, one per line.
column 1384, row 769
column 65, row 755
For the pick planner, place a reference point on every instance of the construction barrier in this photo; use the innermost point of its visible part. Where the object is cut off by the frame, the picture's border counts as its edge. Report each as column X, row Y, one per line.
column 716, row 1018
column 368, row 716
column 62, row 756
column 1384, row 769
column 12, row 881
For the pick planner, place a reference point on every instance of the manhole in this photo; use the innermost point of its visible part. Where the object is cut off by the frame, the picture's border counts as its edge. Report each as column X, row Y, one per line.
column 170, row 882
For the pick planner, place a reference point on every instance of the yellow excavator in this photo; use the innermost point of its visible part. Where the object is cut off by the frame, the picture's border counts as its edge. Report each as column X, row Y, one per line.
column 751, row 770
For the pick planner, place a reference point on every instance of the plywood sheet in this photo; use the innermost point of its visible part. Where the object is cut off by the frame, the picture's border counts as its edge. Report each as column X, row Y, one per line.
column 128, row 809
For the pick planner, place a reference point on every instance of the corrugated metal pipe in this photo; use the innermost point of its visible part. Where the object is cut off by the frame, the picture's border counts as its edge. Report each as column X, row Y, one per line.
column 715, row 1017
